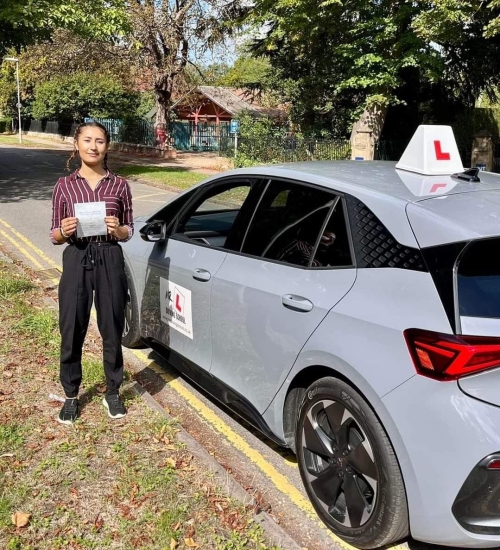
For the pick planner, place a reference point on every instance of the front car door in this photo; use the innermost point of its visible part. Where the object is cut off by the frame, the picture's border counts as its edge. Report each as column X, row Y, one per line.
column 294, row 265
column 176, row 304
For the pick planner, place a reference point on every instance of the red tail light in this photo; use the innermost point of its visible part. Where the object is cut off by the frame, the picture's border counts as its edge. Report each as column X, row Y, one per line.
column 449, row 357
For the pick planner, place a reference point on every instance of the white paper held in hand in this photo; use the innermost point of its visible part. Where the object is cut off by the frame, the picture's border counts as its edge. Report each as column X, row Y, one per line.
column 90, row 219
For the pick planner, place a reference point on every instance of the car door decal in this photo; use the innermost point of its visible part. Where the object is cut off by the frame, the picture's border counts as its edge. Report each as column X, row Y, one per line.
column 176, row 310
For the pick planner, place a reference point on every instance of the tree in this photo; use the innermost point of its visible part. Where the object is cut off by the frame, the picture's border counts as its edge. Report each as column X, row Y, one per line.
column 336, row 56
column 73, row 97
column 247, row 72
column 66, row 54
column 170, row 34
column 23, row 23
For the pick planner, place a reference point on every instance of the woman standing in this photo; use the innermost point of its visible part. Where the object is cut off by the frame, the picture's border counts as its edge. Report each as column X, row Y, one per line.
column 93, row 266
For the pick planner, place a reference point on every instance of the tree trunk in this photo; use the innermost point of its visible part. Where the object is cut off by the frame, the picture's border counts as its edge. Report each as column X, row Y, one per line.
column 161, row 108
column 163, row 93
column 366, row 132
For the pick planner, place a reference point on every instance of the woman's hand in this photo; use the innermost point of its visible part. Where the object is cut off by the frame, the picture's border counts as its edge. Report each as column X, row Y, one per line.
column 68, row 225
column 115, row 229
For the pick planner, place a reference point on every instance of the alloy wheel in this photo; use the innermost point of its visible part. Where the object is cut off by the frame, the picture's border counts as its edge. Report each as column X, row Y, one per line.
column 339, row 463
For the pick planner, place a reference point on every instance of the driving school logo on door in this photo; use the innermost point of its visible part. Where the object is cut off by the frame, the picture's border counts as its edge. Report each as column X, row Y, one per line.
column 175, row 301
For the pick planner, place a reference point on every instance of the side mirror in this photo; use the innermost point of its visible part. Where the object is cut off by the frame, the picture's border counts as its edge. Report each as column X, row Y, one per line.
column 154, row 232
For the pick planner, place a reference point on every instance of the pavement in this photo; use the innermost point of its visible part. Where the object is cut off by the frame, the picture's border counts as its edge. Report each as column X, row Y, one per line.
column 265, row 472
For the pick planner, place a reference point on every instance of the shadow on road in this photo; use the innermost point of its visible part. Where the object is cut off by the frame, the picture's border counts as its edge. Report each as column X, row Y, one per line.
column 40, row 170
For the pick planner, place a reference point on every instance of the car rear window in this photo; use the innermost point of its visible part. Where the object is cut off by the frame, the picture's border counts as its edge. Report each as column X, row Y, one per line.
column 478, row 280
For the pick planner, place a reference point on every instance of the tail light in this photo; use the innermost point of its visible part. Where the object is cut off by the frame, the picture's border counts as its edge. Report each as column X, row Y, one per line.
column 449, row 357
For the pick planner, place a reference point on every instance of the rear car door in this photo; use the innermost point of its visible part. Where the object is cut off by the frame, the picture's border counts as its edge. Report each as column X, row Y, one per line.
column 295, row 263
column 176, row 305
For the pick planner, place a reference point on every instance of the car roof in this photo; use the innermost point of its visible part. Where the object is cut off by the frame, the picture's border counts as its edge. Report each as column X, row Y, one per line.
column 375, row 177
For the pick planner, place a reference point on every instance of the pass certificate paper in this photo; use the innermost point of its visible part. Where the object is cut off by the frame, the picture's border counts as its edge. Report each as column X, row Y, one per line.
column 90, row 219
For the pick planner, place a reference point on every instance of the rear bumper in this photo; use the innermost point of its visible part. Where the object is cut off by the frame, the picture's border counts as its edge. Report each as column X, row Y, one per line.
column 442, row 436
column 477, row 506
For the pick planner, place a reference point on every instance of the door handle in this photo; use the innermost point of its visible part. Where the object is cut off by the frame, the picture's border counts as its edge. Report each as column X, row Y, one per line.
column 201, row 275
column 297, row 303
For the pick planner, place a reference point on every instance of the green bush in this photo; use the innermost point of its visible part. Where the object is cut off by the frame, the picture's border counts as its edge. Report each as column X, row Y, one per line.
column 5, row 125
column 75, row 96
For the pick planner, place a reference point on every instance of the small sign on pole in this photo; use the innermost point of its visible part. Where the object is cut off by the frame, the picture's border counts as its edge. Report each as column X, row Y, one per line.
column 234, row 128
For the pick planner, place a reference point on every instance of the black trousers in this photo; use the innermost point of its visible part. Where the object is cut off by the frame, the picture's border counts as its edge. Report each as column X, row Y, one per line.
column 92, row 271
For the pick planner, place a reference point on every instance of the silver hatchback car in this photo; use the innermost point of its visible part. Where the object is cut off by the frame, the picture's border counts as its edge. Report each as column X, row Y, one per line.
column 351, row 312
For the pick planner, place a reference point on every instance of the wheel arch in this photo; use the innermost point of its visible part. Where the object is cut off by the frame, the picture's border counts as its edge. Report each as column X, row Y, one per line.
column 309, row 374
column 296, row 390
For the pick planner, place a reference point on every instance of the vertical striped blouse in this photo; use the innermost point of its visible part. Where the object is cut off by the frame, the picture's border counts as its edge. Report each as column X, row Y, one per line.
column 72, row 189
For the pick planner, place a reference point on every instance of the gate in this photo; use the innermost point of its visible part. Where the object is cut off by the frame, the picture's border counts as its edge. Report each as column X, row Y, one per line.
column 203, row 136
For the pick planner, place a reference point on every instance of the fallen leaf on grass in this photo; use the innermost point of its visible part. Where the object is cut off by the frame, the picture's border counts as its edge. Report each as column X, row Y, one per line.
column 20, row 519
column 190, row 531
column 171, row 462
column 173, row 544
column 133, row 493
column 7, row 455
column 125, row 510
column 177, row 526
column 7, row 374
column 98, row 522
column 190, row 543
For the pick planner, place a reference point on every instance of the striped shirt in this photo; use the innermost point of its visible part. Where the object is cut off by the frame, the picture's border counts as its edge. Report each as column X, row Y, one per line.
column 73, row 189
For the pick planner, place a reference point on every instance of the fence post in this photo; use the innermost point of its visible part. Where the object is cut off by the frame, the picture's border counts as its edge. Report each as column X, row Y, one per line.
column 235, row 143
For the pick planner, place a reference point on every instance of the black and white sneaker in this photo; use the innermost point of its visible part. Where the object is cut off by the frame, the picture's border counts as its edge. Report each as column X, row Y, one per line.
column 69, row 411
column 115, row 406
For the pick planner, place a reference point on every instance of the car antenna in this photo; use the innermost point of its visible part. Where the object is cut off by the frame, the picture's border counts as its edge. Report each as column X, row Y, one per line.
column 471, row 174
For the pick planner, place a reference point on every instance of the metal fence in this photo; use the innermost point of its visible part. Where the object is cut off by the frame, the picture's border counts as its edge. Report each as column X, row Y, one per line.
column 285, row 149
column 47, row 127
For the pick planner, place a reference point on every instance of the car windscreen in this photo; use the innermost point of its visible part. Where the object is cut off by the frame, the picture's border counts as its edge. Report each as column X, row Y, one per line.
column 478, row 280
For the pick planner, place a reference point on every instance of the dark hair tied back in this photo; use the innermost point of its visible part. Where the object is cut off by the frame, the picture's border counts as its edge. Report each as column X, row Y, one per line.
column 78, row 131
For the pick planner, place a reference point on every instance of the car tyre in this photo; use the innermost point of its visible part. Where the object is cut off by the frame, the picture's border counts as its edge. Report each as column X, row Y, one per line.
column 348, row 466
column 131, row 337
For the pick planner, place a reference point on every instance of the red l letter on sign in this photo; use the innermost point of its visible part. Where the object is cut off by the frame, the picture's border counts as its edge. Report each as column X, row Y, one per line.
column 440, row 155
column 437, row 186
column 178, row 303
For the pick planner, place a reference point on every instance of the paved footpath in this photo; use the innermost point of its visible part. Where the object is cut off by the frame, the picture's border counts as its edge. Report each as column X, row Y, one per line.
column 27, row 177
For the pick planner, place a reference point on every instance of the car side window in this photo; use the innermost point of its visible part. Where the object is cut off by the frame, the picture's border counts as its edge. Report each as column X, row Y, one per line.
column 298, row 224
column 333, row 248
column 169, row 212
column 210, row 220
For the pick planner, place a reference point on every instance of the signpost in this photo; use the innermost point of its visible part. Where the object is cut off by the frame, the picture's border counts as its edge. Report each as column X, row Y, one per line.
column 18, row 105
column 234, row 129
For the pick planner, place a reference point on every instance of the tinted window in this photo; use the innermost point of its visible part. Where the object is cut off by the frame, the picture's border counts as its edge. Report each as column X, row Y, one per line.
column 478, row 280
column 211, row 219
column 289, row 221
column 333, row 249
column 172, row 208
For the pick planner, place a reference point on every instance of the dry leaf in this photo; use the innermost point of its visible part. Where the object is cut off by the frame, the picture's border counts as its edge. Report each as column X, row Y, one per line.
column 190, row 542
column 177, row 526
column 20, row 519
column 98, row 522
column 171, row 462
column 173, row 544
column 189, row 531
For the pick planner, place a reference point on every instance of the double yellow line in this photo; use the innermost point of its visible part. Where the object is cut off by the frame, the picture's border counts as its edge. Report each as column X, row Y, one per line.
column 9, row 233
column 280, row 481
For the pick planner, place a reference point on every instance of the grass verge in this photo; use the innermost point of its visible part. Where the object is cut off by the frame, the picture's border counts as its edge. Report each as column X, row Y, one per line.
column 176, row 178
column 126, row 484
column 14, row 140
